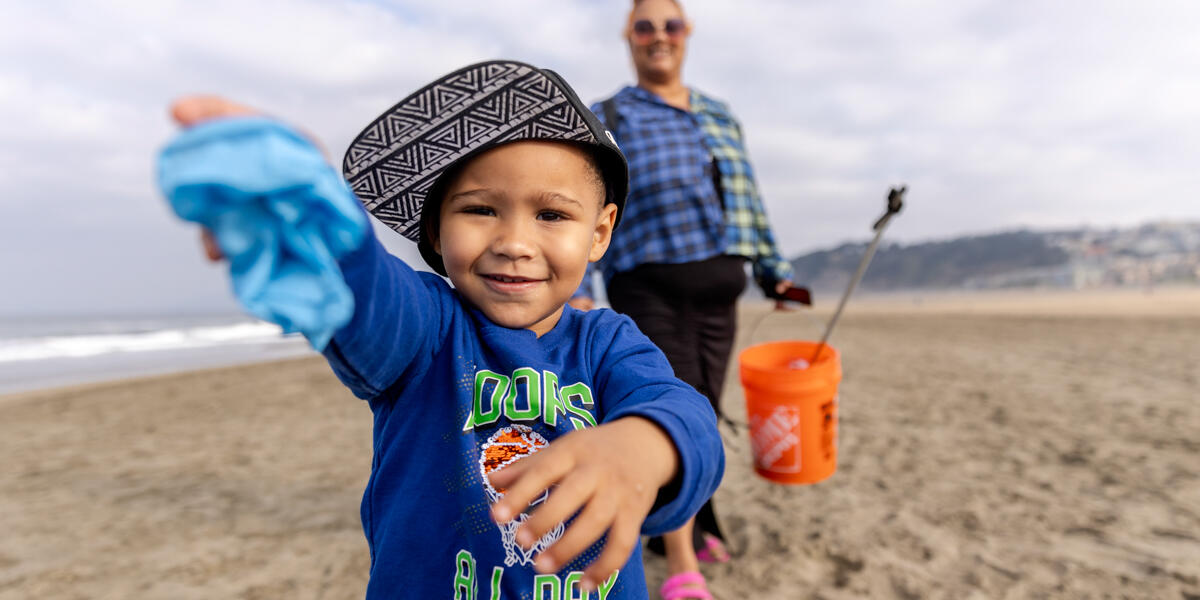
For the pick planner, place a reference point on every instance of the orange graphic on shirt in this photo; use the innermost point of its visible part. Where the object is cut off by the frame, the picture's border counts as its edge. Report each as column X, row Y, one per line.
column 503, row 448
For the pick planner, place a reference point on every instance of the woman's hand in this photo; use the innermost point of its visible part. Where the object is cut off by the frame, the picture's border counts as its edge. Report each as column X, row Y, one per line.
column 780, row 288
column 610, row 475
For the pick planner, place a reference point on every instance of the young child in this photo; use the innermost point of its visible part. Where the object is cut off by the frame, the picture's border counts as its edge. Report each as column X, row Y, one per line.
column 520, row 445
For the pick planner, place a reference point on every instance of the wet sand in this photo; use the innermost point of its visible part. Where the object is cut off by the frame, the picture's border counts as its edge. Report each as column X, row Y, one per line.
column 999, row 446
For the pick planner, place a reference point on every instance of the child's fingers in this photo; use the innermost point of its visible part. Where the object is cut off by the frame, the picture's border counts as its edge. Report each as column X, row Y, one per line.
column 621, row 538
column 572, row 493
column 589, row 526
column 189, row 110
column 509, row 474
column 211, row 249
column 543, row 470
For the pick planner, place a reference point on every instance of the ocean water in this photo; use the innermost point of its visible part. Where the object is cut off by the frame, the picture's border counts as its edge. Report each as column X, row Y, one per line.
column 44, row 351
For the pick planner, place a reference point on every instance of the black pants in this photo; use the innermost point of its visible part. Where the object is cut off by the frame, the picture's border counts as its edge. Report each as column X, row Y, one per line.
column 689, row 311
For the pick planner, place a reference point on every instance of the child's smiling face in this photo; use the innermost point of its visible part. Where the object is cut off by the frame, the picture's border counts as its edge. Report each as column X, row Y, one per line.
column 518, row 226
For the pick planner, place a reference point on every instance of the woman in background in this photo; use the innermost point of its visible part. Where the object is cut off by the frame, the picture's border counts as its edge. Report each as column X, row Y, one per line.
column 693, row 219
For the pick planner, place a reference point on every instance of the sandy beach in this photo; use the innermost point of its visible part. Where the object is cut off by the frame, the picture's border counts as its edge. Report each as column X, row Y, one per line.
column 999, row 446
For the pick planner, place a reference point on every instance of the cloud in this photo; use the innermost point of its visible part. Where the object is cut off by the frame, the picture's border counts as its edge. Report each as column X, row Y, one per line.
column 997, row 114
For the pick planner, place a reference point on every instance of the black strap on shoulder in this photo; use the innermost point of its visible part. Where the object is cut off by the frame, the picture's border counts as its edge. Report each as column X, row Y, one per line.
column 716, row 178
column 611, row 118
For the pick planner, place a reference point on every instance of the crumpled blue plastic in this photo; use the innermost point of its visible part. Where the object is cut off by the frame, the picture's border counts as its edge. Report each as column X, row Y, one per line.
column 280, row 213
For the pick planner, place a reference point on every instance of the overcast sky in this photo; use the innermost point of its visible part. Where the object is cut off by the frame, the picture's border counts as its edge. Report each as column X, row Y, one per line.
column 998, row 114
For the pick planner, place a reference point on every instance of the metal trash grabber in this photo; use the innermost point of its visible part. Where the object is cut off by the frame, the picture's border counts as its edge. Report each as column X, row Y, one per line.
column 895, row 201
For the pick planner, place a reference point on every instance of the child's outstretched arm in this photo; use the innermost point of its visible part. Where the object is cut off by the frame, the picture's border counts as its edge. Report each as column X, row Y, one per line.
column 374, row 278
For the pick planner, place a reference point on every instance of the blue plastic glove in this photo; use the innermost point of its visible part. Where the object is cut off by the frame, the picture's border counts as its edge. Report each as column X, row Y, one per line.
column 280, row 213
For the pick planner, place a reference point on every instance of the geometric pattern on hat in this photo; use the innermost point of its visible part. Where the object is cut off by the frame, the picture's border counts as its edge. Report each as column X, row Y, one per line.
column 394, row 162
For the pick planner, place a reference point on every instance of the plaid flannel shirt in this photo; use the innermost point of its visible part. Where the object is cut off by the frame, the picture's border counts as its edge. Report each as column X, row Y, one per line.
column 673, row 213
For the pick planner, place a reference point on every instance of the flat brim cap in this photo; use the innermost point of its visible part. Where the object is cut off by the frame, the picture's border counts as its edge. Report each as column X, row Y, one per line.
column 397, row 160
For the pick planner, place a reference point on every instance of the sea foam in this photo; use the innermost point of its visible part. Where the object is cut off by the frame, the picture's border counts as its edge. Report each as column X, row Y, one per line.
column 95, row 344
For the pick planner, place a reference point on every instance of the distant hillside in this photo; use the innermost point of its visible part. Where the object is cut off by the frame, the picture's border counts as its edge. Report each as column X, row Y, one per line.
column 1147, row 255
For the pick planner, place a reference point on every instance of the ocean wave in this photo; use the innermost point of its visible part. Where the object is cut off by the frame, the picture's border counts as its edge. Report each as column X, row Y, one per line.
column 80, row 346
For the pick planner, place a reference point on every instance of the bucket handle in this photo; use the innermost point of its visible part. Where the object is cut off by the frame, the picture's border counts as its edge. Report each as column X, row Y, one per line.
column 753, row 331
column 751, row 335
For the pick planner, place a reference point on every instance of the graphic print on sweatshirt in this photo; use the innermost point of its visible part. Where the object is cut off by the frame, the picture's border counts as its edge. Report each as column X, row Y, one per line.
column 530, row 396
column 503, row 448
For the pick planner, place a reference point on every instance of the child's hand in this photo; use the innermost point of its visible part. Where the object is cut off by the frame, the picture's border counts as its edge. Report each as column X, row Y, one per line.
column 609, row 474
column 190, row 110
column 212, row 250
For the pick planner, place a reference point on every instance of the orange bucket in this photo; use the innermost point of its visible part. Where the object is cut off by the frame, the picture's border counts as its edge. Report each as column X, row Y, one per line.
column 792, row 410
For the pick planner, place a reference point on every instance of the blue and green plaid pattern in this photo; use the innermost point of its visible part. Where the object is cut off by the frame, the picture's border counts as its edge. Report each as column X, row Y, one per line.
column 673, row 213
column 747, row 232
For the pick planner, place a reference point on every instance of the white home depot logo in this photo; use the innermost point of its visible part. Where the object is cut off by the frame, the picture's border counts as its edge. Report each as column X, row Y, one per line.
column 776, row 440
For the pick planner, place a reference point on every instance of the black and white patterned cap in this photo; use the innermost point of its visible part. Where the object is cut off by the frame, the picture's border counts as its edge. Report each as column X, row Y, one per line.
column 398, row 159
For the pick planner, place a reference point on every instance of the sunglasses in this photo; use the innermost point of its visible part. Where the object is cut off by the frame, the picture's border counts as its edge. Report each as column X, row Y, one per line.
column 644, row 29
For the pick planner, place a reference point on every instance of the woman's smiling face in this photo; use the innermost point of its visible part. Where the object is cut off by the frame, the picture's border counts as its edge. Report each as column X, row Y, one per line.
column 517, row 228
column 658, row 53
